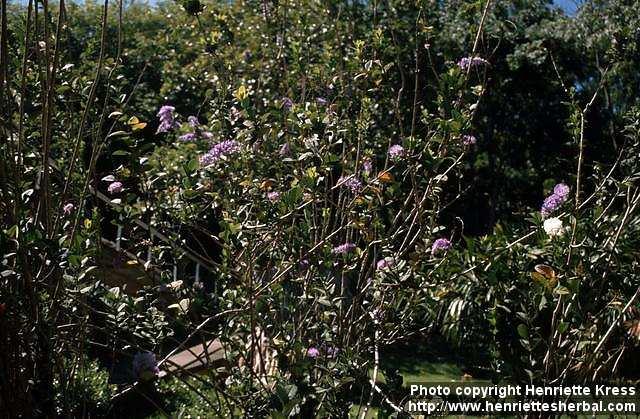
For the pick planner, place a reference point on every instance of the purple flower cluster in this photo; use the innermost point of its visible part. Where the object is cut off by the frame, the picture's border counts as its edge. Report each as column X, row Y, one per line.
column 440, row 245
column 555, row 200
column 352, row 183
column 384, row 264
column 284, row 150
column 189, row 136
column 343, row 249
column 219, row 150
column 167, row 119
column 562, row 190
column 330, row 351
column 313, row 352
column 145, row 364
column 196, row 131
column 287, row 103
column 468, row 62
column 193, row 121
column 367, row 166
column 115, row 187
column 273, row 196
column 469, row 140
column 396, row 152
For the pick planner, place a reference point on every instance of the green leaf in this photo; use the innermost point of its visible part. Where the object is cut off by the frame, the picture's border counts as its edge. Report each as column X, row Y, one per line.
column 562, row 327
column 118, row 134
column 523, row 331
column 191, row 166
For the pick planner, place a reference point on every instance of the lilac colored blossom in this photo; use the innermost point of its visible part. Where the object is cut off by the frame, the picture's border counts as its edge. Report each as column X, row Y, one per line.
column 321, row 101
column 273, row 196
column 440, row 245
column 550, row 204
column 555, row 200
column 562, row 190
column 167, row 119
column 343, row 249
column 219, row 150
column 206, row 135
column 68, row 207
column 189, row 136
column 352, row 183
column 287, row 103
column 313, row 352
column 396, row 152
column 144, row 364
column 330, row 351
column 469, row 140
column 304, row 264
column 384, row 263
column 367, row 166
column 468, row 62
column 193, row 121
column 114, row 187
column 284, row 150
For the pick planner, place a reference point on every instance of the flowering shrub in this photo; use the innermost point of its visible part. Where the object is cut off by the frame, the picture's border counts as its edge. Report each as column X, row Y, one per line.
column 321, row 221
column 537, row 283
column 313, row 194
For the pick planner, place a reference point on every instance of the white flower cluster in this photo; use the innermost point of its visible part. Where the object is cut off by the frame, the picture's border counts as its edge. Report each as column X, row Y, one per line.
column 553, row 227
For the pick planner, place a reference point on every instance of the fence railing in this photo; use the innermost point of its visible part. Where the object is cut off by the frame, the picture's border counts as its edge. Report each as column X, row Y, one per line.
column 135, row 239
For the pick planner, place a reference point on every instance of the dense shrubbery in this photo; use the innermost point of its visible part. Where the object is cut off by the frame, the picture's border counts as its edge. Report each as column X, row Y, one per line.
column 356, row 175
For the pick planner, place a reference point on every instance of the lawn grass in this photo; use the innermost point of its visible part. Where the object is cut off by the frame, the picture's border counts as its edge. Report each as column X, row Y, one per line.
column 420, row 364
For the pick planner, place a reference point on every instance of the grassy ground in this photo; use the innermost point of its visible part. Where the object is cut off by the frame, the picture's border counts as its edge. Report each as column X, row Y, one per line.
column 418, row 363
